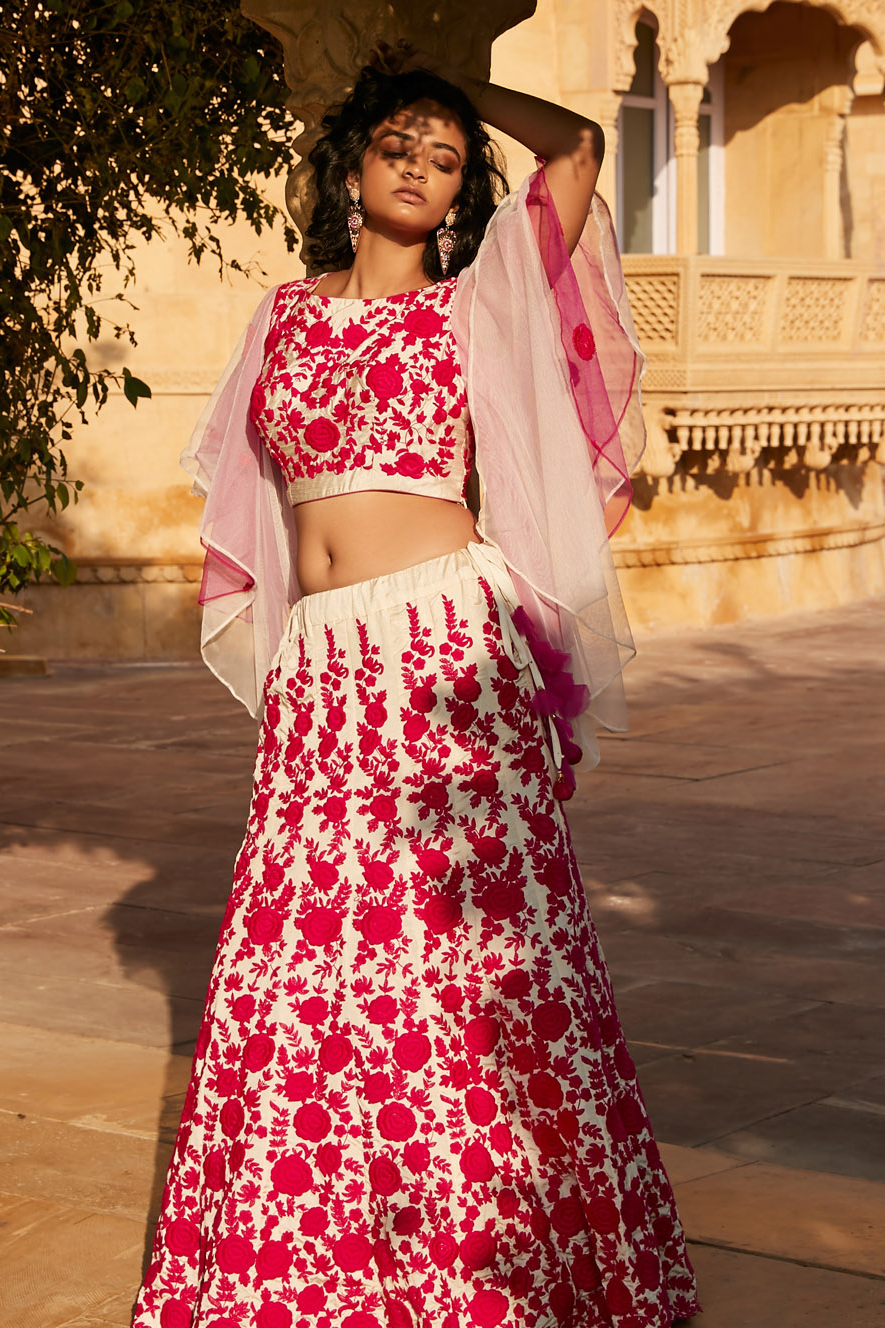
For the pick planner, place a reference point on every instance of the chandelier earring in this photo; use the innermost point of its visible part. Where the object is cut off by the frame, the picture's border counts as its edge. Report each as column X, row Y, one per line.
column 445, row 239
column 355, row 214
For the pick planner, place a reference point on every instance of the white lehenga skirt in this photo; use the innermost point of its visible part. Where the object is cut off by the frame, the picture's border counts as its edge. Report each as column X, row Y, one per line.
column 411, row 1104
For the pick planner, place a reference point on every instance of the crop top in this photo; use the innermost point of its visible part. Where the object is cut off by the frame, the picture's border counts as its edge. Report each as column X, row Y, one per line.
column 364, row 394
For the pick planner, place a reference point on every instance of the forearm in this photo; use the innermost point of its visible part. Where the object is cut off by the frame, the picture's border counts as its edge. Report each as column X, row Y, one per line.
column 572, row 147
column 547, row 130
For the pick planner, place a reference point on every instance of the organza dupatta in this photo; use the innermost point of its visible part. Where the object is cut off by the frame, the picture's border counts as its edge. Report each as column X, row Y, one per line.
column 248, row 528
column 553, row 373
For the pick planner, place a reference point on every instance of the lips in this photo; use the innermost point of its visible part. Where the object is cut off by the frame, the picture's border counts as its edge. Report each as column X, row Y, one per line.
column 409, row 195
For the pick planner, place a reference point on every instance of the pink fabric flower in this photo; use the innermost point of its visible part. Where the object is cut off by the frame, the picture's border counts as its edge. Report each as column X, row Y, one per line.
column 583, row 342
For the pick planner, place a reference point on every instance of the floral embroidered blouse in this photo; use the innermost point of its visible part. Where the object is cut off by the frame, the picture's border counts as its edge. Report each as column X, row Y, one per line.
column 364, row 394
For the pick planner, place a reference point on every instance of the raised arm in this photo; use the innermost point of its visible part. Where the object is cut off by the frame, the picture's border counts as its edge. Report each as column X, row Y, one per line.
column 572, row 147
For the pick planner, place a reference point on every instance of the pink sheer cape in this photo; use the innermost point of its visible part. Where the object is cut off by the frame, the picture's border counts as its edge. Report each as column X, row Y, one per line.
column 552, row 371
column 248, row 528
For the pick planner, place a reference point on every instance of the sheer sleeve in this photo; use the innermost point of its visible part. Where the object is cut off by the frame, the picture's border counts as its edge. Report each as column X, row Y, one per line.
column 553, row 374
column 248, row 529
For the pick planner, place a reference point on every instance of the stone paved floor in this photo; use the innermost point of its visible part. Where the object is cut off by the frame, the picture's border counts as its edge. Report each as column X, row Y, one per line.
column 734, row 853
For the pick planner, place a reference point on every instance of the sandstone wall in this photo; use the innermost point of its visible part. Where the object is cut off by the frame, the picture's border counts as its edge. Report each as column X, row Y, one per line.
column 696, row 548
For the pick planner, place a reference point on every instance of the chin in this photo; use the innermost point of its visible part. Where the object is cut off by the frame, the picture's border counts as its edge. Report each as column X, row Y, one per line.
column 412, row 226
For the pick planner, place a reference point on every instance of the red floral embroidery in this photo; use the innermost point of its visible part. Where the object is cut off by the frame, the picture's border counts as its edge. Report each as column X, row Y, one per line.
column 411, row 1104
column 364, row 394
column 582, row 340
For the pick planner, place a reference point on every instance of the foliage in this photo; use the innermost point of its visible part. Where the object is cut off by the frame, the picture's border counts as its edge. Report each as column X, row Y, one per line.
column 116, row 120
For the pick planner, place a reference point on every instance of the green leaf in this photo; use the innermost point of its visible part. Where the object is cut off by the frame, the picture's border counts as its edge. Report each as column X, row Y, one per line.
column 135, row 89
column 133, row 388
column 64, row 571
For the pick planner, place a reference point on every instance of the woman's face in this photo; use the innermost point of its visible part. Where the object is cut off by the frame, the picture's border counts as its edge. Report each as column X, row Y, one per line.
column 412, row 169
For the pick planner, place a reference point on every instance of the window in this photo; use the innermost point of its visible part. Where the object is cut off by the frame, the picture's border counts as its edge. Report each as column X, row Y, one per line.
column 646, row 167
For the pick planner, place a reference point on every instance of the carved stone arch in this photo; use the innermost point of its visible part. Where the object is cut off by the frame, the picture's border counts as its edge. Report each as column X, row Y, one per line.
column 628, row 13
column 868, row 16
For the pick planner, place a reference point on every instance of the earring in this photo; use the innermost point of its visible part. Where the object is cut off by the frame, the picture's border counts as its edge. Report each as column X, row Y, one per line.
column 445, row 240
column 354, row 216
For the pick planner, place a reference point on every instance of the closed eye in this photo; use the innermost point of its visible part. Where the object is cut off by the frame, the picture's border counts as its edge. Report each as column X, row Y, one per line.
column 398, row 156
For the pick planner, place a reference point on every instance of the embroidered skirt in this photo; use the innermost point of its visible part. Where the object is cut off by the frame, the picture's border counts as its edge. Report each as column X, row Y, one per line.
column 411, row 1103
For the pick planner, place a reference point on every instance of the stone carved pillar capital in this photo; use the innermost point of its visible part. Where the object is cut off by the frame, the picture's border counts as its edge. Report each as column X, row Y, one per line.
column 326, row 45
column 685, row 98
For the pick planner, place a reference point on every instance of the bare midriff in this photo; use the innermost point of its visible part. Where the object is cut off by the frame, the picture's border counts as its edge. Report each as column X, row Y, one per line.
column 354, row 537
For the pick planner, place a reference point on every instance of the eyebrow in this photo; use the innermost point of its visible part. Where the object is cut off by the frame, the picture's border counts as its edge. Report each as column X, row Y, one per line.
column 410, row 138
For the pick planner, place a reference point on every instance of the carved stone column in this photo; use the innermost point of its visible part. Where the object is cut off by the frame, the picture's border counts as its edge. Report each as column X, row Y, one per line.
column 326, row 44
column 834, row 157
column 685, row 99
column 607, row 107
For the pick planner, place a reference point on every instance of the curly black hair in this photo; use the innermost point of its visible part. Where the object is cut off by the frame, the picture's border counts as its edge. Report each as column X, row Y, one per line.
column 348, row 132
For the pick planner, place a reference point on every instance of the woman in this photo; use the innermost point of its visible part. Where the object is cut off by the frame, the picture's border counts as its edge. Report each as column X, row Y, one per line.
column 411, row 1101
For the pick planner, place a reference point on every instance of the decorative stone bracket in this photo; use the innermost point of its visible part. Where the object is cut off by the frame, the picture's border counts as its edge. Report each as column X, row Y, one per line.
column 779, row 437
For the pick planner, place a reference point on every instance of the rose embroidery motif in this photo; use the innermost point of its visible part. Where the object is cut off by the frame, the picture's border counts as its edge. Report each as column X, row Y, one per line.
column 385, row 380
column 582, row 340
column 321, row 434
column 291, row 1174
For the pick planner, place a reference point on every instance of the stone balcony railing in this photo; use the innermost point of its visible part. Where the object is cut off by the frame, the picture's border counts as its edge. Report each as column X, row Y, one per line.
column 759, row 363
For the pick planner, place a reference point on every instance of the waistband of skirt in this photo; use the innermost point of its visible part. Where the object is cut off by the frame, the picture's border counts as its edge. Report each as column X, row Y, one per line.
column 476, row 560
column 419, row 581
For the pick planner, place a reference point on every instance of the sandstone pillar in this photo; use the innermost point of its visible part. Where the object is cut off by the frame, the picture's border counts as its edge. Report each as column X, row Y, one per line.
column 607, row 107
column 834, row 160
column 685, row 99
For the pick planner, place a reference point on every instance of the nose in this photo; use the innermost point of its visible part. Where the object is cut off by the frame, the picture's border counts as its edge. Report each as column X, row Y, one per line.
column 415, row 168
